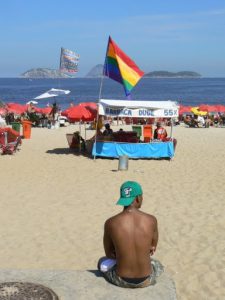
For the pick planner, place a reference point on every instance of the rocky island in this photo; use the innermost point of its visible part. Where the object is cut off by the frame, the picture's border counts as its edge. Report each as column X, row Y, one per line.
column 96, row 72
column 43, row 73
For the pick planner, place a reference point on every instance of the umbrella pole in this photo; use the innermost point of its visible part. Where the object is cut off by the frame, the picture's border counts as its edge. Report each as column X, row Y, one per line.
column 85, row 132
column 79, row 127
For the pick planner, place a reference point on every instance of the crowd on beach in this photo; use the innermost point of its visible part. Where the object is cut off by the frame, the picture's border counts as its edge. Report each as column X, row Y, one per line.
column 206, row 121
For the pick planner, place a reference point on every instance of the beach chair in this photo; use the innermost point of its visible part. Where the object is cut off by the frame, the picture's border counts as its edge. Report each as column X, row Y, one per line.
column 9, row 147
column 147, row 133
column 138, row 130
column 74, row 141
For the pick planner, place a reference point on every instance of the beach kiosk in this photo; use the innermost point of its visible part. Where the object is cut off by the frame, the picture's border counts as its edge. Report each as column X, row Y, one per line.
column 136, row 109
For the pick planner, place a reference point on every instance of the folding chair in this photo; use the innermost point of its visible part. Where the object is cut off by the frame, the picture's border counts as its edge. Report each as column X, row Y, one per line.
column 147, row 133
column 9, row 147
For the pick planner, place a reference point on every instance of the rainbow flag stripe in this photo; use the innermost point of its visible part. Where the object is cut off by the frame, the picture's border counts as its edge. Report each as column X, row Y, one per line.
column 119, row 67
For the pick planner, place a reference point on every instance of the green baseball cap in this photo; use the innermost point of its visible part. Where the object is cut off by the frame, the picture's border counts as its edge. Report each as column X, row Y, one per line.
column 129, row 190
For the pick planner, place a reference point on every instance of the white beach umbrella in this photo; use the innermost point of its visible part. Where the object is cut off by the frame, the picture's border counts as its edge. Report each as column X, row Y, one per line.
column 52, row 93
column 32, row 102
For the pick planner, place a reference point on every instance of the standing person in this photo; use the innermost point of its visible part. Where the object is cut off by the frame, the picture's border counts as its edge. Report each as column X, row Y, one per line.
column 160, row 132
column 130, row 237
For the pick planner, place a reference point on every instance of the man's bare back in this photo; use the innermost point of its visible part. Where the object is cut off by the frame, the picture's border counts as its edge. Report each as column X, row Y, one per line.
column 131, row 237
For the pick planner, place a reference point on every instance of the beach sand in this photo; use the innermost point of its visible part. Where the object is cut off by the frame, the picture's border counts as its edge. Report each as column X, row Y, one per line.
column 54, row 204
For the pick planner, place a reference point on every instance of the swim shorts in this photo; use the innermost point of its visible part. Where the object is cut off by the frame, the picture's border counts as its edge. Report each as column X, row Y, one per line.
column 112, row 277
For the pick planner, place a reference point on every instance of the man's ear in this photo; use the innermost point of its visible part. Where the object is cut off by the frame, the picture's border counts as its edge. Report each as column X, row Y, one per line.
column 138, row 200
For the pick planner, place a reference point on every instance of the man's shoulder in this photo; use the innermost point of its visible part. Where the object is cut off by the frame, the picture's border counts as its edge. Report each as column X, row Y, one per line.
column 148, row 216
column 112, row 219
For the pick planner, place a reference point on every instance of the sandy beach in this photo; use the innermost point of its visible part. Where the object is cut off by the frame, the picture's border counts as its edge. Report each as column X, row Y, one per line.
column 54, row 204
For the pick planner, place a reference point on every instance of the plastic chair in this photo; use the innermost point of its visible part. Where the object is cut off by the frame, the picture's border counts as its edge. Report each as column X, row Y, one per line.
column 147, row 133
column 138, row 130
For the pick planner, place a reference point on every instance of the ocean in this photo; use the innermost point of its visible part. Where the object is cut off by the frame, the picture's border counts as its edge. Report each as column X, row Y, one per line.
column 185, row 91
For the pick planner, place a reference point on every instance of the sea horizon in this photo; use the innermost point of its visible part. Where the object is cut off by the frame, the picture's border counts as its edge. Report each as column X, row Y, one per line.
column 185, row 91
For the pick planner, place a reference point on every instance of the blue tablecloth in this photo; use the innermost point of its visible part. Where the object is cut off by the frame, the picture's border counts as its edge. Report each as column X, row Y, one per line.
column 133, row 150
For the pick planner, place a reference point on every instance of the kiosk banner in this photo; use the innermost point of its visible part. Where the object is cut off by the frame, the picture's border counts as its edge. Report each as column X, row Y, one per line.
column 138, row 109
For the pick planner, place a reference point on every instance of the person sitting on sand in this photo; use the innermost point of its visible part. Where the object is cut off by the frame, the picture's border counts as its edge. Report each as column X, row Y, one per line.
column 130, row 237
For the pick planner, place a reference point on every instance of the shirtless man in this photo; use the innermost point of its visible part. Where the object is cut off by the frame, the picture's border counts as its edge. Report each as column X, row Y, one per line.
column 130, row 238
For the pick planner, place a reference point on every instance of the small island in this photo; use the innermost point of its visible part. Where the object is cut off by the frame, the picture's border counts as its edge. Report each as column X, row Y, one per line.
column 43, row 73
column 166, row 74
column 97, row 71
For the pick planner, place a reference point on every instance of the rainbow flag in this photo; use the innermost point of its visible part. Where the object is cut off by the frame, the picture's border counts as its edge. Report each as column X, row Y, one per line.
column 119, row 67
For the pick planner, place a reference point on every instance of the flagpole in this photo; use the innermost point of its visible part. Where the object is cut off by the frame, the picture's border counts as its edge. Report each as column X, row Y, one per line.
column 100, row 95
column 97, row 118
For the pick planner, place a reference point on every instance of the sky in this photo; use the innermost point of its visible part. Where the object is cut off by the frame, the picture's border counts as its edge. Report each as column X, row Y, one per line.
column 172, row 35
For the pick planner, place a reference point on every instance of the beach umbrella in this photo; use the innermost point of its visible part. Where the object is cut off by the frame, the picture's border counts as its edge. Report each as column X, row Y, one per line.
column 3, row 111
column 80, row 113
column 45, row 110
column 207, row 108
column 66, row 111
column 16, row 108
column 88, row 105
column 32, row 102
column 91, row 105
column 52, row 93
column 184, row 109
column 220, row 108
column 198, row 112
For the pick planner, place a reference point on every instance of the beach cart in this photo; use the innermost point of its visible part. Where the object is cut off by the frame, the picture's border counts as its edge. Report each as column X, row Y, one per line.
column 132, row 147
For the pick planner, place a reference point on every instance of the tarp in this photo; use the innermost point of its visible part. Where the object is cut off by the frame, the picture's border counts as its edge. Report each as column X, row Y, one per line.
column 52, row 93
column 138, row 109
column 133, row 150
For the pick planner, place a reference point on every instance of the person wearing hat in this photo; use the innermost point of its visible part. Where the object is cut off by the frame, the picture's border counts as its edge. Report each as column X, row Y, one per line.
column 130, row 238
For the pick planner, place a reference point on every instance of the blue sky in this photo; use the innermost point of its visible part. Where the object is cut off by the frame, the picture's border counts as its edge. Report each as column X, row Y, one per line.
column 171, row 35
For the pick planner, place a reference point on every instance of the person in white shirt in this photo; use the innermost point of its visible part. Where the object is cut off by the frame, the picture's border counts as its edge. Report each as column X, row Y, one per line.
column 201, row 120
column 2, row 122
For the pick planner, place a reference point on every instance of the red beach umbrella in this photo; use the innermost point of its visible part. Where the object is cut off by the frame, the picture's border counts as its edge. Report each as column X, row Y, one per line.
column 80, row 113
column 208, row 108
column 220, row 108
column 92, row 105
column 45, row 110
column 66, row 111
column 16, row 108
column 184, row 109
column 2, row 111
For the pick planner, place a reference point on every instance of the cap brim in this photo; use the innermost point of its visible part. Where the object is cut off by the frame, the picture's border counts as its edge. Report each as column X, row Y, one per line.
column 125, row 201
